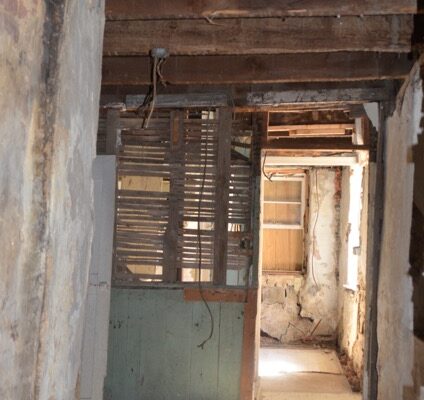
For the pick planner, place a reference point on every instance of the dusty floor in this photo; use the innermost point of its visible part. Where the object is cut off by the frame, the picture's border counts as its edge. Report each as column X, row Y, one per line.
column 302, row 373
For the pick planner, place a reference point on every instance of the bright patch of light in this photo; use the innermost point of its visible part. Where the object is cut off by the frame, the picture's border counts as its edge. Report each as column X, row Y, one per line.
column 268, row 368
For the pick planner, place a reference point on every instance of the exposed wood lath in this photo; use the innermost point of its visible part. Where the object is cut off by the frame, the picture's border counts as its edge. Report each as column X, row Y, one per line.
column 171, row 179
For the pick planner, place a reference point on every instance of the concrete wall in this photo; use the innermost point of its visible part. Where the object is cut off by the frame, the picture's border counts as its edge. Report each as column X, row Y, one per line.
column 50, row 80
column 154, row 352
column 293, row 307
column 395, row 316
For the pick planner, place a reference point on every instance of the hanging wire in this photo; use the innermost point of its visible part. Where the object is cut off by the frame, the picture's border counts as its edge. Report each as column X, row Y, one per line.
column 314, row 227
column 269, row 177
column 199, row 239
column 150, row 98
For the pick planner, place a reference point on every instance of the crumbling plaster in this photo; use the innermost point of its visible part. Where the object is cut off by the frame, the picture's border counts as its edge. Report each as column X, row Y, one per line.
column 395, row 311
column 352, row 302
column 50, row 79
column 296, row 307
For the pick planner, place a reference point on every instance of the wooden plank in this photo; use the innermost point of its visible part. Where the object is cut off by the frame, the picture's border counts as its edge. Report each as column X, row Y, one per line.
column 259, row 36
column 112, row 127
column 329, row 143
column 176, row 347
column 220, row 295
column 204, row 361
column 282, row 250
column 230, row 350
column 248, row 363
column 222, row 196
column 189, row 100
column 324, row 67
column 314, row 127
column 161, row 9
column 170, row 245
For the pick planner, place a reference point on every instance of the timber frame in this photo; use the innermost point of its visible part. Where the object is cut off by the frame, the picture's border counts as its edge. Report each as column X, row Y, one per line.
column 245, row 55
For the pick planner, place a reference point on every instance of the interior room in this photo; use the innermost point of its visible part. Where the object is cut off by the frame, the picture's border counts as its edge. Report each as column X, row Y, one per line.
column 212, row 200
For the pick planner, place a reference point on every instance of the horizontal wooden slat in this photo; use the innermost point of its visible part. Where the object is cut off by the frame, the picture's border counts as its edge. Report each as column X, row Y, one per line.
column 323, row 143
column 280, row 128
column 327, row 67
column 259, row 36
column 220, row 295
column 161, row 9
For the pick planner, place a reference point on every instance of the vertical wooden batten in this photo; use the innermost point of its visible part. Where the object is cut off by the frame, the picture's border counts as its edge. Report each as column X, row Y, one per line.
column 222, row 196
column 248, row 357
column 171, row 234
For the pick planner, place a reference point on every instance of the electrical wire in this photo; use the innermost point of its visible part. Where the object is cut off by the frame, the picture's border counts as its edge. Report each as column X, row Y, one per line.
column 199, row 240
column 154, row 79
column 269, row 177
column 314, row 228
column 150, row 98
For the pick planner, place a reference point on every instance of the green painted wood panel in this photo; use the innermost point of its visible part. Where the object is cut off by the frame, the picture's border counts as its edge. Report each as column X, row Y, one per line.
column 154, row 352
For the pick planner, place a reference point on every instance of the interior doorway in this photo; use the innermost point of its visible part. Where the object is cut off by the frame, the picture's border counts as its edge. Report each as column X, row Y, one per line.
column 313, row 239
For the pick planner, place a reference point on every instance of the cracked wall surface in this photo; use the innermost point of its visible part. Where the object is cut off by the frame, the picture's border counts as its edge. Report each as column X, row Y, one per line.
column 395, row 310
column 299, row 307
column 50, row 75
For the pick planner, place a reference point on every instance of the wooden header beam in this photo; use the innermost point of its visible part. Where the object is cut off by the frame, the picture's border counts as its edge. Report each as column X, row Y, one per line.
column 324, row 143
column 260, row 36
column 164, row 9
column 312, row 67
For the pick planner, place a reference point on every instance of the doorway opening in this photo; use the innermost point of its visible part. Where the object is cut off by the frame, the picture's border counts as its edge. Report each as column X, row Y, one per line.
column 313, row 241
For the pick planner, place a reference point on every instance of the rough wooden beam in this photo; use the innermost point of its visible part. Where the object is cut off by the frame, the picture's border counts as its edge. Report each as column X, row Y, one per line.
column 161, row 9
column 260, row 36
column 342, row 95
column 222, row 196
column 219, row 295
column 342, row 66
column 250, row 346
column 187, row 100
column 324, row 143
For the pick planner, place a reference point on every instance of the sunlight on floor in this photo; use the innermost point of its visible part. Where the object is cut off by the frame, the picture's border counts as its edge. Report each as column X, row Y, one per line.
column 302, row 373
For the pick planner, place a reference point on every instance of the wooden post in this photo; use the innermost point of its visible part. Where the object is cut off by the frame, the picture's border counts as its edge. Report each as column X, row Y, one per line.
column 112, row 127
column 170, row 249
column 222, row 196
column 249, row 354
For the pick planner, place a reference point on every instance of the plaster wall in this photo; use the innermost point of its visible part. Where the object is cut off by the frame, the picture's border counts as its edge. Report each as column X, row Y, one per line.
column 395, row 310
column 50, row 80
column 352, row 299
column 296, row 307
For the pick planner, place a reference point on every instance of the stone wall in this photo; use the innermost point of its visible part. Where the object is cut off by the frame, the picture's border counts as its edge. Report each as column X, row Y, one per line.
column 50, row 79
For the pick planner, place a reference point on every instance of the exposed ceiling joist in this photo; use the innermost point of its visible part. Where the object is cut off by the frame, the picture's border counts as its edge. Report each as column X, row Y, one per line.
column 163, row 9
column 312, row 67
column 260, row 36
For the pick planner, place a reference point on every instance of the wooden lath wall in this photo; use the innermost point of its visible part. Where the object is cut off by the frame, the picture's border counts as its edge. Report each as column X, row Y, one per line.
column 163, row 171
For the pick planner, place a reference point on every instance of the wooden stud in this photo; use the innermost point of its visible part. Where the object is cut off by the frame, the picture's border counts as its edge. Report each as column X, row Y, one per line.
column 222, row 196
column 249, row 351
column 112, row 127
column 170, row 245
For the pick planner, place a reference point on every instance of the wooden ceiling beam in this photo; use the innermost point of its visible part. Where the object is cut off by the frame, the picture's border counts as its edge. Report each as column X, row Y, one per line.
column 260, row 36
column 163, row 9
column 215, row 70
